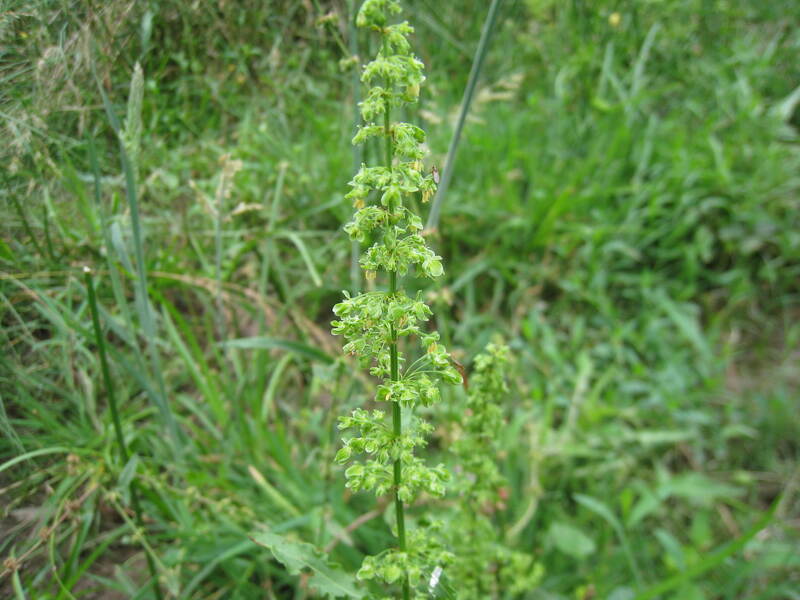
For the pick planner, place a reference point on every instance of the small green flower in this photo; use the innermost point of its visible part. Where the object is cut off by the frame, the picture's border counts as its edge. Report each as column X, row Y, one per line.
column 484, row 561
column 374, row 323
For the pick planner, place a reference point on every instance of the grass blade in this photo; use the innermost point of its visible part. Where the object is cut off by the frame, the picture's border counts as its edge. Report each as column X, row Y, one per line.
column 101, row 348
column 301, row 247
column 475, row 71
column 112, row 403
column 711, row 560
column 143, row 301
column 597, row 507
column 33, row 453
column 289, row 345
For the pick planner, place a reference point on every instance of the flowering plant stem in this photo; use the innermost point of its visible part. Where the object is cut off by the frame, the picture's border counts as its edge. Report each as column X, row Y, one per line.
column 374, row 322
column 397, row 427
column 397, row 414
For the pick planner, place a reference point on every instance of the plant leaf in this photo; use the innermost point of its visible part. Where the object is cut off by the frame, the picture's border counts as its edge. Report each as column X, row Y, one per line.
column 267, row 343
column 698, row 489
column 571, row 540
column 710, row 560
column 298, row 556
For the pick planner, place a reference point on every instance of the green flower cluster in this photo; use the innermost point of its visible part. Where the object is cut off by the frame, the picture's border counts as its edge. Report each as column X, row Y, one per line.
column 477, row 448
column 378, row 440
column 391, row 565
column 374, row 323
column 486, row 568
column 401, row 244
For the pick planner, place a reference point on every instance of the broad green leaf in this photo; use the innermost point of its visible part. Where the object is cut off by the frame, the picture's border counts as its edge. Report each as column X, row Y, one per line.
column 605, row 512
column 648, row 503
column 622, row 593
column 571, row 540
column 687, row 323
column 599, row 508
column 299, row 556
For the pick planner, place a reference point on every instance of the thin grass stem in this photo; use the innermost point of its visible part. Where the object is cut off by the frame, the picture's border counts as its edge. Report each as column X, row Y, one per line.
column 47, row 238
column 112, row 404
column 25, row 224
column 466, row 102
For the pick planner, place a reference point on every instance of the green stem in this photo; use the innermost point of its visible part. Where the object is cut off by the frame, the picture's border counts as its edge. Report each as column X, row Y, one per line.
column 397, row 415
column 387, row 130
column 355, row 246
column 466, row 101
column 101, row 347
column 397, row 424
column 112, row 404
column 26, row 225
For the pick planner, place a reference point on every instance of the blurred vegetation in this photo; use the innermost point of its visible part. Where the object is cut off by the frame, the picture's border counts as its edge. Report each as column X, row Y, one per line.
column 624, row 213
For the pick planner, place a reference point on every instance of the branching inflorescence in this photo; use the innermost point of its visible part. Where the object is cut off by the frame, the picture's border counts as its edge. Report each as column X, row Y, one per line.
column 486, row 567
column 374, row 322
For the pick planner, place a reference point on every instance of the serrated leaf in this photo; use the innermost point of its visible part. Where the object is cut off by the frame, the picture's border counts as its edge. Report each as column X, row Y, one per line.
column 299, row 556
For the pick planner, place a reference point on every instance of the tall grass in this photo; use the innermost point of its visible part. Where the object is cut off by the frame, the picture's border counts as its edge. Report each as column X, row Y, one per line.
column 120, row 437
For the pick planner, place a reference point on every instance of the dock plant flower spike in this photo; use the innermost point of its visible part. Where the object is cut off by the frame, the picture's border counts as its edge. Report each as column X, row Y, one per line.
column 375, row 322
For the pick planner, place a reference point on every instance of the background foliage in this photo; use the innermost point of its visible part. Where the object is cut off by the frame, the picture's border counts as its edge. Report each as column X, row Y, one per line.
column 624, row 213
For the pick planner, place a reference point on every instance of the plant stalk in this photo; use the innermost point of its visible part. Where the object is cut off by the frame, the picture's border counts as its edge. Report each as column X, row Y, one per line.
column 26, row 225
column 397, row 414
column 397, row 425
column 352, row 32
column 466, row 101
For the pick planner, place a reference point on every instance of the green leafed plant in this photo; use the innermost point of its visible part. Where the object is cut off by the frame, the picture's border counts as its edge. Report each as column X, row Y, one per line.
column 298, row 557
column 375, row 322
column 485, row 567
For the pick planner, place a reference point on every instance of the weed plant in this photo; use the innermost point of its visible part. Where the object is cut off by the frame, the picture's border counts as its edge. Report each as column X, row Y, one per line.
column 375, row 322
column 623, row 211
column 485, row 567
